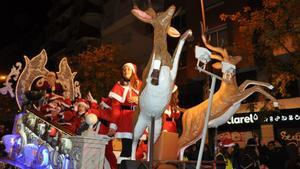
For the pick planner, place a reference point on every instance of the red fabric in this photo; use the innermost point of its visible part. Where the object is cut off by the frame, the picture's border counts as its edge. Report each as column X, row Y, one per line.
column 123, row 118
column 75, row 123
column 141, row 151
column 69, row 115
column 170, row 126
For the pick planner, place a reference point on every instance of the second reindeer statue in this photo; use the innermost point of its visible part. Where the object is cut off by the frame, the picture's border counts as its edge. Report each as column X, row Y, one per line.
column 160, row 72
column 226, row 101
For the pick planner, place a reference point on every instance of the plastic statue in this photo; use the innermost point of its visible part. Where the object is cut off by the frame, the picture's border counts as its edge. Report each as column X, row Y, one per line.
column 226, row 101
column 157, row 87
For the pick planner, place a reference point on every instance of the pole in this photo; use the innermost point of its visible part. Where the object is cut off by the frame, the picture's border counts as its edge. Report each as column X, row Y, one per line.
column 215, row 147
column 212, row 89
column 203, row 15
column 151, row 142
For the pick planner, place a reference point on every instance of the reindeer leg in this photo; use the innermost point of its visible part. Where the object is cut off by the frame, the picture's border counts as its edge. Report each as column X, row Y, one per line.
column 247, row 92
column 138, row 132
column 246, row 83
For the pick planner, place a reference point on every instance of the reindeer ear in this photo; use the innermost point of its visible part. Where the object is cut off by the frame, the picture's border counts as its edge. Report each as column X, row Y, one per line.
column 141, row 15
column 173, row 32
column 217, row 65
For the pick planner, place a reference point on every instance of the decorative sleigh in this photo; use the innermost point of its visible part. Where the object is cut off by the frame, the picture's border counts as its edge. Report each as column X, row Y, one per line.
column 38, row 143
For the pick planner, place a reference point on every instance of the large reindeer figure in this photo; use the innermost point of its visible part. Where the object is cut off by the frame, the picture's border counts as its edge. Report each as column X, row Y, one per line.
column 226, row 101
column 154, row 98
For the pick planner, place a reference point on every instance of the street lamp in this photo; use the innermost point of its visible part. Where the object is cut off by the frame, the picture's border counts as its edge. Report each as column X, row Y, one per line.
column 2, row 77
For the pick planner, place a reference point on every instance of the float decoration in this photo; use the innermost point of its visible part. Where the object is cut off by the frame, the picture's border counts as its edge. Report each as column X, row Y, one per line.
column 39, row 143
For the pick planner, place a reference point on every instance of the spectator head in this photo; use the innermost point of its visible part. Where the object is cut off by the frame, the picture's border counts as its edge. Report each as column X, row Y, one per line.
column 251, row 142
column 271, row 145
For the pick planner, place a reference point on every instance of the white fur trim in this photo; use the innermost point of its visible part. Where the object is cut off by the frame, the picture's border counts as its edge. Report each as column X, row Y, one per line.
column 84, row 104
column 123, row 135
column 168, row 111
column 113, row 126
column 106, row 106
column 132, row 67
column 118, row 97
column 156, row 64
column 120, row 159
column 229, row 145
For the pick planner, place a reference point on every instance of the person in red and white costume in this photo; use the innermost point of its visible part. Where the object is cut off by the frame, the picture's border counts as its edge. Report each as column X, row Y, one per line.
column 51, row 110
column 124, row 97
column 76, row 117
column 172, row 113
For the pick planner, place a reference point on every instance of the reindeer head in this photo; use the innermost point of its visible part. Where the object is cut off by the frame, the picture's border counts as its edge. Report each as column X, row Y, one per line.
column 227, row 62
column 160, row 21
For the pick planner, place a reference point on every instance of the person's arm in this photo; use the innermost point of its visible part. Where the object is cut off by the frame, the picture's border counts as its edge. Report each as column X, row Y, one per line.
column 115, row 115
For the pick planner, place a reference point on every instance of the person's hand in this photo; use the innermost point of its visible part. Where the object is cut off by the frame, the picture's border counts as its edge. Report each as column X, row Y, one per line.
column 90, row 98
column 111, row 132
column 134, row 99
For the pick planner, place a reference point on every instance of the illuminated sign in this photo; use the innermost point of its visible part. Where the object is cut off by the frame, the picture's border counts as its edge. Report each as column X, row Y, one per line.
column 250, row 118
column 278, row 116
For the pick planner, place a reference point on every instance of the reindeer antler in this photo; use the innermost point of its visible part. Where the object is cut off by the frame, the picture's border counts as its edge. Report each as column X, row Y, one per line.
column 220, row 50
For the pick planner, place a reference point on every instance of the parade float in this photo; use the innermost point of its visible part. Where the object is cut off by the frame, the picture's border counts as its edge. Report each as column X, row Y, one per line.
column 38, row 141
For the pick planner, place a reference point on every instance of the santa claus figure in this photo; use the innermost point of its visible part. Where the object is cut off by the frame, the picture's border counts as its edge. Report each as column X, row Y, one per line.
column 50, row 84
column 124, row 97
column 51, row 110
column 172, row 113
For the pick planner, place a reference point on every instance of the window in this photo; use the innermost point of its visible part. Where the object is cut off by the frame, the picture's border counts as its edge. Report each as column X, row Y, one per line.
column 218, row 35
column 210, row 4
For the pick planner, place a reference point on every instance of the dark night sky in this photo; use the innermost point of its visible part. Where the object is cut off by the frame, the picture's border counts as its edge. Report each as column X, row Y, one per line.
column 20, row 22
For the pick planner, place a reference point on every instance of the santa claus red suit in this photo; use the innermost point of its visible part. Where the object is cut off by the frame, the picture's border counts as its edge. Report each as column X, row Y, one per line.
column 51, row 110
column 172, row 113
column 50, row 84
column 169, row 117
column 124, row 97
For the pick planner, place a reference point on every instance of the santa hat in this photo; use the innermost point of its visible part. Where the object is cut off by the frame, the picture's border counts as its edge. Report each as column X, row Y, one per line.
column 82, row 102
column 227, row 143
column 131, row 66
